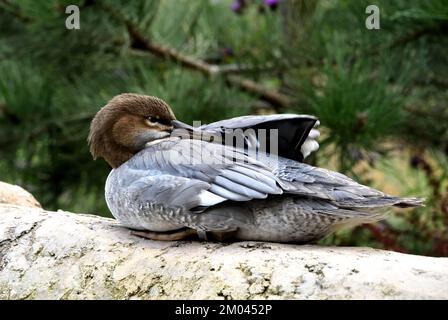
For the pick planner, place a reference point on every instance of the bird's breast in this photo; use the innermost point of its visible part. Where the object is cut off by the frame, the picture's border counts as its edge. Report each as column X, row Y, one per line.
column 131, row 211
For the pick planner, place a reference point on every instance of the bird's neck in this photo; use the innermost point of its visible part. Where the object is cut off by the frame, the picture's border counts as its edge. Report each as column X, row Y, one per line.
column 116, row 154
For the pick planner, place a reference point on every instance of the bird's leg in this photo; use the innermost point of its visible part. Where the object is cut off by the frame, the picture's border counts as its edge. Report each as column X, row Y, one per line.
column 166, row 236
column 227, row 236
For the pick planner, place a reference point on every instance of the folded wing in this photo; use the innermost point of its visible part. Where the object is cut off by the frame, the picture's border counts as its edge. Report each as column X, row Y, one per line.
column 197, row 174
column 194, row 174
column 288, row 135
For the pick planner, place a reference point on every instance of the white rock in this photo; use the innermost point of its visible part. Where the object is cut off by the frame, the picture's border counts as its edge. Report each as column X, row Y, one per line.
column 12, row 194
column 61, row 255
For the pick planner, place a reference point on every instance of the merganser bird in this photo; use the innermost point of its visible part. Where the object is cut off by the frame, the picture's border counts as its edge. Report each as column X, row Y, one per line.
column 168, row 182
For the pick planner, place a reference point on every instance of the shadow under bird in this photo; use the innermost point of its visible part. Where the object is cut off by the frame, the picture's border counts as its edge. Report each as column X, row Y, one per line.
column 172, row 181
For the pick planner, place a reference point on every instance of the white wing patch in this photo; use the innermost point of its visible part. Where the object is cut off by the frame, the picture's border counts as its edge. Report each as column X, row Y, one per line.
column 208, row 199
column 311, row 144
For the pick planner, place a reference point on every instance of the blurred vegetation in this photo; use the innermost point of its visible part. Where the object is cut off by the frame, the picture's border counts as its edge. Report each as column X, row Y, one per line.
column 381, row 95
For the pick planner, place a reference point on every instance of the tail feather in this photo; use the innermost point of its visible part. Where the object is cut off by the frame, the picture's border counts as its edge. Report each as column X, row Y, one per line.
column 409, row 202
column 380, row 202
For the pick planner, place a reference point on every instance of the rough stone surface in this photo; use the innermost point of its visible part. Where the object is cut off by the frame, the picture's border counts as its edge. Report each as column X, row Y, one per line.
column 61, row 255
column 16, row 195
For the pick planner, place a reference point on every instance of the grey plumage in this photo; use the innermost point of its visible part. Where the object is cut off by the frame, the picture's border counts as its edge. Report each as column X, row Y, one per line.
column 170, row 185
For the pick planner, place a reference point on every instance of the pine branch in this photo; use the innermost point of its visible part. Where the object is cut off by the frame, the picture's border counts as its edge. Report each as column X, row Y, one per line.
column 277, row 99
column 439, row 28
column 139, row 42
column 8, row 6
column 224, row 68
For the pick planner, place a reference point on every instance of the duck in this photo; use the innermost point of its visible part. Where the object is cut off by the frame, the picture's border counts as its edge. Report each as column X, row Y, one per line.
column 238, row 179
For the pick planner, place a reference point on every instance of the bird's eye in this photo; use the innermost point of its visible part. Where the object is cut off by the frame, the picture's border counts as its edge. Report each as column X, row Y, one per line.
column 165, row 122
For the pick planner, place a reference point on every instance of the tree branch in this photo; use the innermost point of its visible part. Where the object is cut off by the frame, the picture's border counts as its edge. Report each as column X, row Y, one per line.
column 140, row 42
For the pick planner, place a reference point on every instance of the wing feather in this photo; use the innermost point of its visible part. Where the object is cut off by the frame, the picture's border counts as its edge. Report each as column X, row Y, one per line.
column 226, row 175
column 296, row 133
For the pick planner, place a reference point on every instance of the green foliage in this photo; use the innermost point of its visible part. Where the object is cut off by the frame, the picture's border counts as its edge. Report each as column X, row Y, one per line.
column 358, row 108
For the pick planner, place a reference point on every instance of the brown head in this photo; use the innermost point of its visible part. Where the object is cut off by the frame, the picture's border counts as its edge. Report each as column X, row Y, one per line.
column 125, row 124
